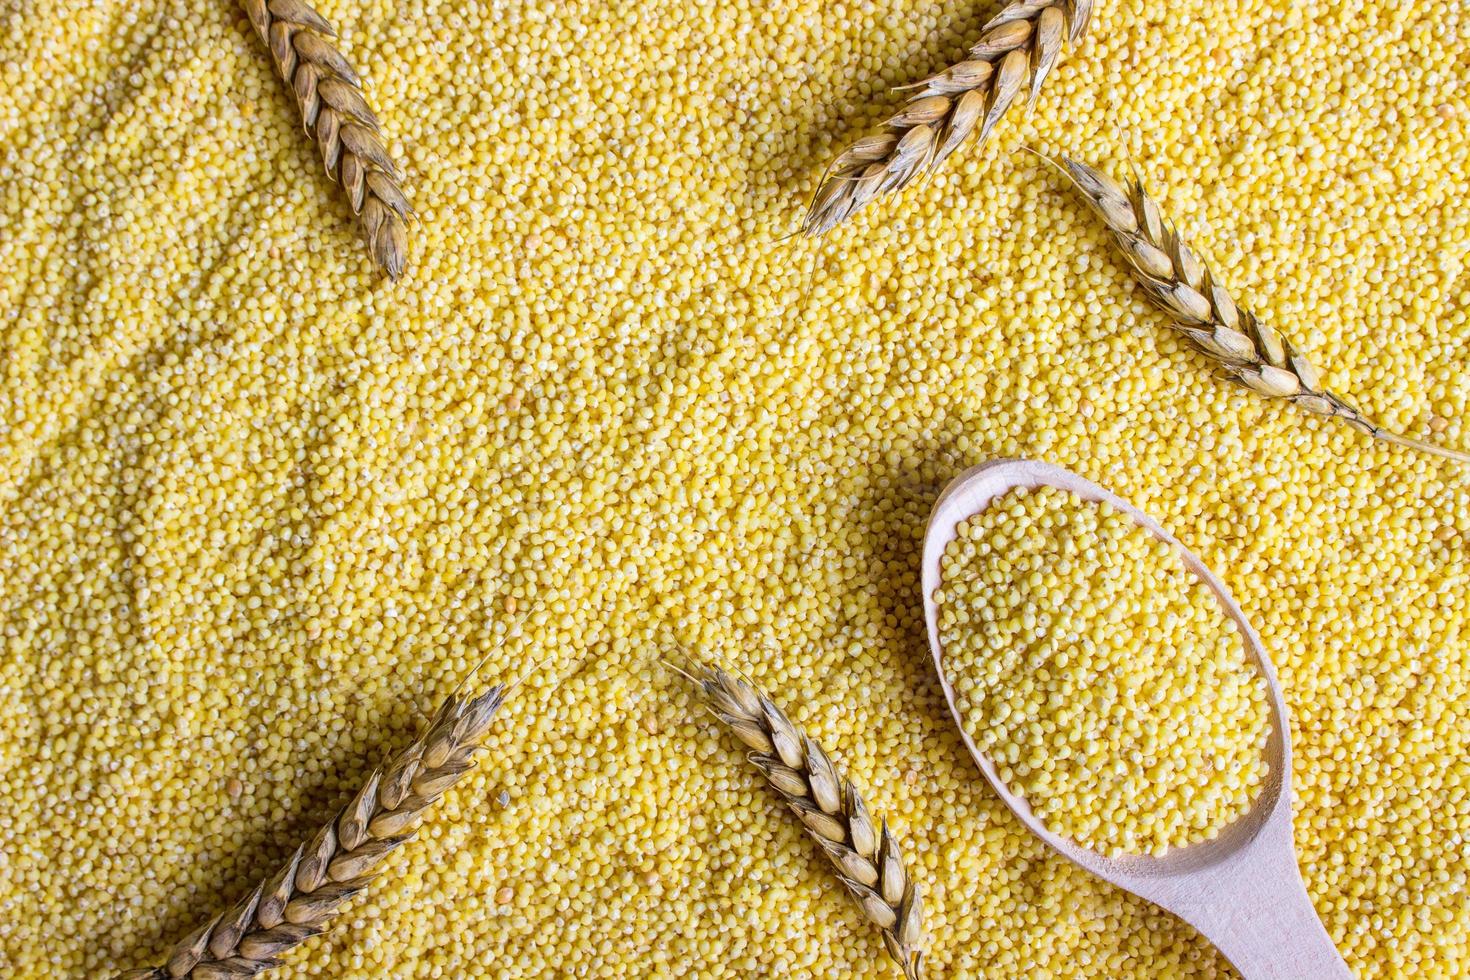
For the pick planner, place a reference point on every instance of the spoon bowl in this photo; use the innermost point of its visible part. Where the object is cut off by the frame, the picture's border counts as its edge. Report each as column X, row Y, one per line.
column 1242, row 889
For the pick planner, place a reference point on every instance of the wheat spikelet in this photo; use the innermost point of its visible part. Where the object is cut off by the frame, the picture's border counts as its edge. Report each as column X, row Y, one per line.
column 301, row 897
column 867, row 857
column 1016, row 50
column 1249, row 350
column 339, row 119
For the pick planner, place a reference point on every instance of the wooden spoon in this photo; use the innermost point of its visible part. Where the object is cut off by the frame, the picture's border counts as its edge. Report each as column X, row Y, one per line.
column 1242, row 890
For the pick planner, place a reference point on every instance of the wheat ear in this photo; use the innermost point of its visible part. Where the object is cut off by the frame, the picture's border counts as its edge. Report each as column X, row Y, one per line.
column 1249, row 350
column 1017, row 48
column 297, row 901
column 341, row 122
column 867, row 857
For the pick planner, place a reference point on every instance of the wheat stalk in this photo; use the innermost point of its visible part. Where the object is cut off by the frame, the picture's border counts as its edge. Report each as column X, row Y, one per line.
column 1020, row 45
column 867, row 857
column 339, row 119
column 1249, row 350
column 297, row 901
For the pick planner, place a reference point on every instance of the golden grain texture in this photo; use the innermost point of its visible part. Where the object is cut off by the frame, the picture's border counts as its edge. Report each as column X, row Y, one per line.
column 866, row 855
column 337, row 116
column 1181, row 283
column 1015, row 53
column 246, row 503
column 308, row 891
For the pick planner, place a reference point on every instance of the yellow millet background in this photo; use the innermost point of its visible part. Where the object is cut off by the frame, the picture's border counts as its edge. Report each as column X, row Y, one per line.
column 260, row 510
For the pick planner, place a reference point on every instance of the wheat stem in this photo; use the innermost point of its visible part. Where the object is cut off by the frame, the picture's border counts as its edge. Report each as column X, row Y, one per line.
column 301, row 897
column 1016, row 51
column 1409, row 442
column 1249, row 350
column 866, row 856
column 338, row 117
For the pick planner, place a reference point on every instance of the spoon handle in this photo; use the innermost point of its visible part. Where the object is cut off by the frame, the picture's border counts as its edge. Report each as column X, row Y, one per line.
column 1255, row 910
